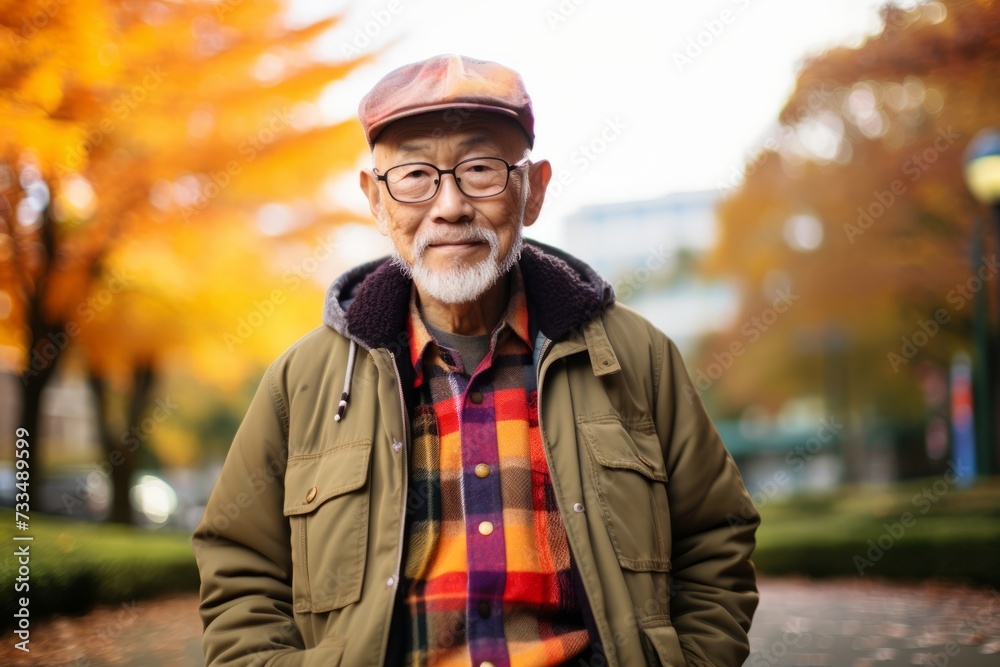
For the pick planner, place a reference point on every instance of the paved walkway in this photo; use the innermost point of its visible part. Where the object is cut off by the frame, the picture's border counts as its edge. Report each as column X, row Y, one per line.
column 846, row 623
column 866, row 623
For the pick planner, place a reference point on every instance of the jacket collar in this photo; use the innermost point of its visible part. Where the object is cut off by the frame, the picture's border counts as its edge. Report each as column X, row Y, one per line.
column 370, row 303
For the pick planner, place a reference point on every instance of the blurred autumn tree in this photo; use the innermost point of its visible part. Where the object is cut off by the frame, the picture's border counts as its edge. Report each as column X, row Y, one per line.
column 158, row 164
column 859, row 208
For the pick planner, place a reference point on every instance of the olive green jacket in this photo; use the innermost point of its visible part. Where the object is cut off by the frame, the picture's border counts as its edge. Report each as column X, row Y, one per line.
column 301, row 544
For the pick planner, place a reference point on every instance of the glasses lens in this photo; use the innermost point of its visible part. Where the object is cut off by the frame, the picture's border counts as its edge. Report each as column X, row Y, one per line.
column 482, row 177
column 411, row 182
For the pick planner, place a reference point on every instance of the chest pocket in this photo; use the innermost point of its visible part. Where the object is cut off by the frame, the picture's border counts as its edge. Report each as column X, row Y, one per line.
column 327, row 498
column 630, row 480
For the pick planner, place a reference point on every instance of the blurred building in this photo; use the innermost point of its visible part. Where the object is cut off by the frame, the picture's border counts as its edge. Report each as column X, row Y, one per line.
column 650, row 250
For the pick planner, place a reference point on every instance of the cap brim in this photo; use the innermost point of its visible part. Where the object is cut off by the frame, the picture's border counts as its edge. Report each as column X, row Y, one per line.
column 376, row 128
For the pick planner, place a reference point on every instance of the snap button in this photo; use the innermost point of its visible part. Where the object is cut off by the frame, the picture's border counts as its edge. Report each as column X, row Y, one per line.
column 577, row 507
column 476, row 397
column 311, row 496
column 605, row 362
column 485, row 528
column 482, row 470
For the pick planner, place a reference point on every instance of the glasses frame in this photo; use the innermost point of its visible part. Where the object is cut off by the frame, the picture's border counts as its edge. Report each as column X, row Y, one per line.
column 441, row 173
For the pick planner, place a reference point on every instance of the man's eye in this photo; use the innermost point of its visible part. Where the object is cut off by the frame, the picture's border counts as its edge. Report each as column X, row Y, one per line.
column 415, row 174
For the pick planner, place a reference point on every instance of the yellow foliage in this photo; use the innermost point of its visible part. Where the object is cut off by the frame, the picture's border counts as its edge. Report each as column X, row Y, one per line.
column 180, row 120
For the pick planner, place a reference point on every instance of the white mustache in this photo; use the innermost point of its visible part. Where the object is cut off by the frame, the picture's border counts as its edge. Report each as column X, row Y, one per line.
column 470, row 235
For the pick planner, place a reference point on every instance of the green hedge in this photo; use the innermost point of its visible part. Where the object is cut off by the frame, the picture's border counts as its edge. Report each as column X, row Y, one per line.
column 924, row 529
column 76, row 565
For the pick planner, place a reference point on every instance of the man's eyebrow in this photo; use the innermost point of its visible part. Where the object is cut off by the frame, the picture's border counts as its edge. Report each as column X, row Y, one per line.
column 413, row 147
column 417, row 146
column 475, row 141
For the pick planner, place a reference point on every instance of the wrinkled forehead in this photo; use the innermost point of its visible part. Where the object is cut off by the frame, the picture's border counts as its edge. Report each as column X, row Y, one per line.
column 455, row 129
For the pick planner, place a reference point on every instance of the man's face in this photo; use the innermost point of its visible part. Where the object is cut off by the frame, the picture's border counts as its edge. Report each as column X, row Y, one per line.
column 453, row 245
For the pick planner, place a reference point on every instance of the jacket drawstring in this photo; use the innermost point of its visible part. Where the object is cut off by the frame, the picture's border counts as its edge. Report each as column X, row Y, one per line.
column 352, row 354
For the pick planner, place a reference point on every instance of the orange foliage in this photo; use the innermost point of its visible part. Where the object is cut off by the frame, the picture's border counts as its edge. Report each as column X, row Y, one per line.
column 159, row 130
column 870, row 148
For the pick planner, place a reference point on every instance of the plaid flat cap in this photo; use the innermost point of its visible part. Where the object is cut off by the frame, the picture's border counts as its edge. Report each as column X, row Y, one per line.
column 446, row 82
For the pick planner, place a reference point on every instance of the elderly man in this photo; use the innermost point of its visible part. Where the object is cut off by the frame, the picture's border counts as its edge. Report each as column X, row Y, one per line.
column 512, row 473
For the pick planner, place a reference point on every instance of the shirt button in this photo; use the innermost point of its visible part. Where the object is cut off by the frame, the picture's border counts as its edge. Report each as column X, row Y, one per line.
column 577, row 507
column 485, row 528
column 482, row 470
column 484, row 610
column 397, row 446
column 389, row 582
column 476, row 397
column 311, row 496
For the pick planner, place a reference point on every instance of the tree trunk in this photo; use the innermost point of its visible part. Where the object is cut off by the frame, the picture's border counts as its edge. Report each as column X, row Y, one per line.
column 31, row 407
column 121, row 451
column 46, row 341
column 43, row 356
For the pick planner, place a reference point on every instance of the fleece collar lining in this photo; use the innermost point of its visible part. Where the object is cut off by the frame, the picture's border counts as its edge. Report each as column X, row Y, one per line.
column 561, row 298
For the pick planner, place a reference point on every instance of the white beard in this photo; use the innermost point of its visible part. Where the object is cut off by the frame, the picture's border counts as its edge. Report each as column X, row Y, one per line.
column 460, row 283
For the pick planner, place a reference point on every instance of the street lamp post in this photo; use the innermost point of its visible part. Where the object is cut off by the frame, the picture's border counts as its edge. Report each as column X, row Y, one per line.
column 982, row 175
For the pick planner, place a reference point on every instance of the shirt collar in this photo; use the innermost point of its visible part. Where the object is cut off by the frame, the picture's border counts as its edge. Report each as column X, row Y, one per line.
column 514, row 318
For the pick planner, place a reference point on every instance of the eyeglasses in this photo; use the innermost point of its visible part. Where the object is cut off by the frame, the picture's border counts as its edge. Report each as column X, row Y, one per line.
column 477, row 177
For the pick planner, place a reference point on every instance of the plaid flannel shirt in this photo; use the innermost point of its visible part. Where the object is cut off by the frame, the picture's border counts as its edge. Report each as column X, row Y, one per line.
column 487, row 576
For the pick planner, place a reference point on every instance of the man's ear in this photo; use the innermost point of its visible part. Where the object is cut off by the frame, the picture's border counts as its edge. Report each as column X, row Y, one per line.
column 539, row 175
column 369, row 185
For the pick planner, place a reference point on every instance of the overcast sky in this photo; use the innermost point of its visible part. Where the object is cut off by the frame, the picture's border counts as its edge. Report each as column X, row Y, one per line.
column 682, row 92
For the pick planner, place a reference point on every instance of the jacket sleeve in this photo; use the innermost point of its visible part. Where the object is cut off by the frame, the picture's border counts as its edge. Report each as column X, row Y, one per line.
column 713, row 521
column 242, row 547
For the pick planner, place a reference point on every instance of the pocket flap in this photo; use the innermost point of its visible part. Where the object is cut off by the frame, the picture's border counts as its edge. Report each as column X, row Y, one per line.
column 332, row 472
column 614, row 447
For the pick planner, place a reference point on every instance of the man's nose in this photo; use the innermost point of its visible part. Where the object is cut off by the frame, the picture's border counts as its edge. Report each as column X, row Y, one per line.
column 450, row 205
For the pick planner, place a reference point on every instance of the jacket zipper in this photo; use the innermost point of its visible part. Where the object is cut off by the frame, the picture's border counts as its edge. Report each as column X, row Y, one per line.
column 538, row 374
column 541, row 432
column 406, row 473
